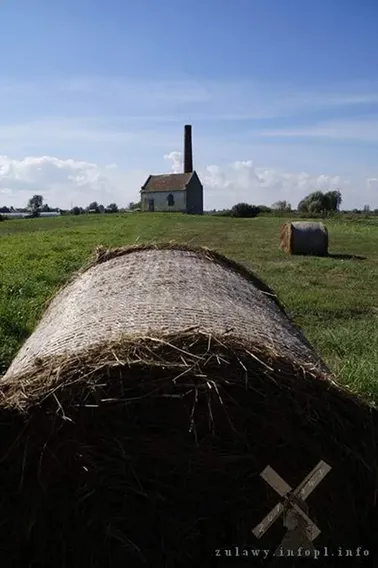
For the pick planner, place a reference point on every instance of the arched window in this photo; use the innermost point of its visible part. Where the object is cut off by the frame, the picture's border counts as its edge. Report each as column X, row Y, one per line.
column 170, row 200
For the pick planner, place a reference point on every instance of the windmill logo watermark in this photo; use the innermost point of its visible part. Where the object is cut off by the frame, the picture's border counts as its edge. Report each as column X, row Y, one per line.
column 293, row 507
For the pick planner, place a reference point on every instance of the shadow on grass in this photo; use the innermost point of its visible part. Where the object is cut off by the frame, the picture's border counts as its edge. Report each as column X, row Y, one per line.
column 347, row 256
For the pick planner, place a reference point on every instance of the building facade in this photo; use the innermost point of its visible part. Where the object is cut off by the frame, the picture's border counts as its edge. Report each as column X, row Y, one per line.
column 180, row 193
column 175, row 192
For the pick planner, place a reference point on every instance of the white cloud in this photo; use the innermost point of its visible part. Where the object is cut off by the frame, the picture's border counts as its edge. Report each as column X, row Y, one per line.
column 60, row 181
column 63, row 182
column 177, row 161
column 242, row 181
column 47, row 171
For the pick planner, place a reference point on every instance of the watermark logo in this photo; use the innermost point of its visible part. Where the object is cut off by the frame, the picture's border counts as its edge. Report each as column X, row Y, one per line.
column 293, row 506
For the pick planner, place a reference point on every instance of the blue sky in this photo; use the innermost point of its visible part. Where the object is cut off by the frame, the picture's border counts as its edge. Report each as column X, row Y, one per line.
column 282, row 96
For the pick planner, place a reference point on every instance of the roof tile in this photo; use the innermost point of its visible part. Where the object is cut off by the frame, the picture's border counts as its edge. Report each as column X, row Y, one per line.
column 167, row 182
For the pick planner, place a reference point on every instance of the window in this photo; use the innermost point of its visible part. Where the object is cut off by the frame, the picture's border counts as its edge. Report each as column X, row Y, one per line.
column 170, row 200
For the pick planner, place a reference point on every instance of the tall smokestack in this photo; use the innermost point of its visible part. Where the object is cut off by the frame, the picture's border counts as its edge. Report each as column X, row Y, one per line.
column 188, row 153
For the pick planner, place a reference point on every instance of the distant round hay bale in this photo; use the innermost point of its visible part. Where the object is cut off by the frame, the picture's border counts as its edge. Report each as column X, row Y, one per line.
column 138, row 416
column 304, row 237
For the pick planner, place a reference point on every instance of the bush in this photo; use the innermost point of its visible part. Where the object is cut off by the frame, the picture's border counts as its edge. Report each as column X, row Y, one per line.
column 244, row 210
column 112, row 208
column 264, row 209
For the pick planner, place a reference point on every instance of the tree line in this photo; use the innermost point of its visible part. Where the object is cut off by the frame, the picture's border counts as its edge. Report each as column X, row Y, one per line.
column 314, row 204
column 36, row 205
column 95, row 207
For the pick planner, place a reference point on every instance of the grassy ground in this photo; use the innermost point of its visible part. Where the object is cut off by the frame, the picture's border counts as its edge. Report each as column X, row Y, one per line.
column 334, row 300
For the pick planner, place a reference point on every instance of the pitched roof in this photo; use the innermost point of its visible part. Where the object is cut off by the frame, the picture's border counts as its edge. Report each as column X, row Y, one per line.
column 167, row 182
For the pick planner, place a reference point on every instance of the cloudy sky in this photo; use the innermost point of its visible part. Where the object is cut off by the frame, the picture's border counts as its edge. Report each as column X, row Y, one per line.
column 282, row 96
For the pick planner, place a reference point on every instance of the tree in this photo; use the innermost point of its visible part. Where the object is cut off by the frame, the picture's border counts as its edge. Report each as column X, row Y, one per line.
column 264, row 209
column 244, row 210
column 77, row 210
column 316, row 196
column 281, row 206
column 93, row 207
column 112, row 208
column 315, row 206
column 319, row 202
column 333, row 200
column 35, row 204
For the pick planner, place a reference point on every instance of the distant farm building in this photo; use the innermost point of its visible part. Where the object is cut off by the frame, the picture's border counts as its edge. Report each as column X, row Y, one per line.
column 23, row 214
column 175, row 192
column 49, row 214
column 14, row 215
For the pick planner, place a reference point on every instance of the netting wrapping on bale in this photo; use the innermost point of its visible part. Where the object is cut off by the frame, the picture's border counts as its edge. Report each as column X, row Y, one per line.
column 138, row 417
column 304, row 237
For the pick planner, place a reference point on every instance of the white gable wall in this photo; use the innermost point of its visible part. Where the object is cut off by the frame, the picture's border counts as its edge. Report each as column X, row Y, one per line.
column 161, row 203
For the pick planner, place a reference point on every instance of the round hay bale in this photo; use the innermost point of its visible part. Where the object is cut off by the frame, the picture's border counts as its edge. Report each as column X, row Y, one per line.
column 304, row 237
column 138, row 417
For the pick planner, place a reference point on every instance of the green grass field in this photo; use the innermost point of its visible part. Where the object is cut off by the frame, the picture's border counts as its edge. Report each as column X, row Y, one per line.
column 334, row 300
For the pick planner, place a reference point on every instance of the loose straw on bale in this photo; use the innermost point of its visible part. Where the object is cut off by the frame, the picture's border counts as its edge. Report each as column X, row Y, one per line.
column 138, row 416
column 304, row 238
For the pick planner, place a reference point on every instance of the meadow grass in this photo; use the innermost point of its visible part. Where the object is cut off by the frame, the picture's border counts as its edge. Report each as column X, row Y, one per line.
column 334, row 299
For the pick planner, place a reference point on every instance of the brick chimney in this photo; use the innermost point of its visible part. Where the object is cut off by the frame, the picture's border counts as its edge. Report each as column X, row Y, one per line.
column 188, row 153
